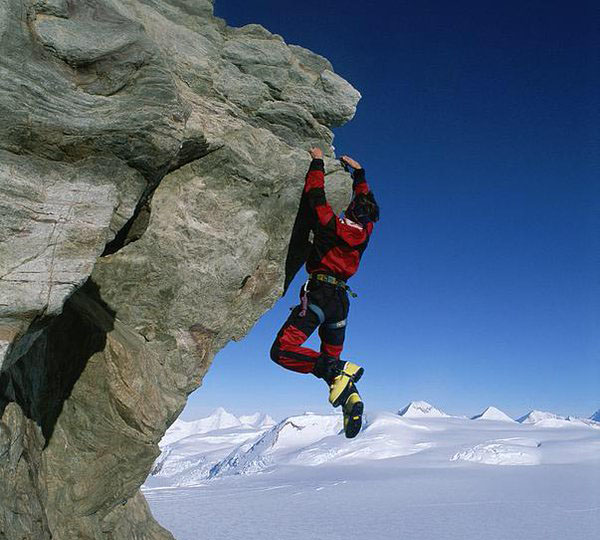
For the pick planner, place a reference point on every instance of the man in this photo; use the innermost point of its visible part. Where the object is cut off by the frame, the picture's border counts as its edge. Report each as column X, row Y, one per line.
column 338, row 245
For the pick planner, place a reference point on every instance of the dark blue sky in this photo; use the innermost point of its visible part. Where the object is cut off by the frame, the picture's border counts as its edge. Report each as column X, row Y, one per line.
column 479, row 129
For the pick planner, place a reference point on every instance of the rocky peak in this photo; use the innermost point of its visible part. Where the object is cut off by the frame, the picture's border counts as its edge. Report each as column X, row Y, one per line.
column 493, row 413
column 421, row 409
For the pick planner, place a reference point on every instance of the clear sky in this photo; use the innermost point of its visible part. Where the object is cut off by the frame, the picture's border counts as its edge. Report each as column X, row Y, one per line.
column 479, row 129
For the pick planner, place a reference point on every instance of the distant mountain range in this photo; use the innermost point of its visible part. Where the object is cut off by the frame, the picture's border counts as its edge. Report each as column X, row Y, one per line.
column 218, row 420
column 224, row 445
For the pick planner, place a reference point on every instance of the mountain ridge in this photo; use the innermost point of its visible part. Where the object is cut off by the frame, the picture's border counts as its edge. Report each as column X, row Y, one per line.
column 315, row 440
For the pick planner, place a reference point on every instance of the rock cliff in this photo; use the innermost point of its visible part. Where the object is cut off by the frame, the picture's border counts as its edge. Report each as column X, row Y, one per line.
column 151, row 165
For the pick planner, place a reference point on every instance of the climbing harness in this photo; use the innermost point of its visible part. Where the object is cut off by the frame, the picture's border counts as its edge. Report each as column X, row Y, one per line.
column 305, row 305
column 333, row 281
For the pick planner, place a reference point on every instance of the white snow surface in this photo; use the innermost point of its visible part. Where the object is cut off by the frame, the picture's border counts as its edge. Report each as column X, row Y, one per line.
column 492, row 413
column 588, row 422
column 511, row 451
column 420, row 478
column 421, row 409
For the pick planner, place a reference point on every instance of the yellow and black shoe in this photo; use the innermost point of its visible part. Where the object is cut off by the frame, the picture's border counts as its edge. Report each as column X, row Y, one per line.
column 353, row 409
column 349, row 374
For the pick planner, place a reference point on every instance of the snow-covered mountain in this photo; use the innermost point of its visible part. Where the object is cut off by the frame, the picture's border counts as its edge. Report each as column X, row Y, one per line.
column 188, row 461
column 219, row 419
column 224, row 445
column 543, row 419
column 317, row 439
column 492, row 413
column 546, row 419
column 421, row 409
column 284, row 439
column 257, row 419
column 596, row 416
column 533, row 417
column 191, row 449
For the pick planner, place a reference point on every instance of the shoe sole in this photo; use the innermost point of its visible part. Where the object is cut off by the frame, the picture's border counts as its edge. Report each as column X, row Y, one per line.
column 354, row 424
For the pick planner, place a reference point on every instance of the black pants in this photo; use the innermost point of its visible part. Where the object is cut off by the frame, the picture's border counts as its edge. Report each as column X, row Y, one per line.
column 329, row 316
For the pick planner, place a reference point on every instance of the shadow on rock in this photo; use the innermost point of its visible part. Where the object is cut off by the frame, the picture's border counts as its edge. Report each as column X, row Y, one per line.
column 299, row 244
column 42, row 380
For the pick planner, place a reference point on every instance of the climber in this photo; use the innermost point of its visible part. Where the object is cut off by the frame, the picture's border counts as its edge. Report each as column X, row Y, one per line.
column 334, row 256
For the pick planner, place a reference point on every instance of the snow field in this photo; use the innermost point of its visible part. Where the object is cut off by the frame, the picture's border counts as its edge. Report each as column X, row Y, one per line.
column 416, row 476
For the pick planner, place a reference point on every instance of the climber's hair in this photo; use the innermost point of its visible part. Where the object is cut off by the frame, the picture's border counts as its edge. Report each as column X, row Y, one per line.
column 363, row 208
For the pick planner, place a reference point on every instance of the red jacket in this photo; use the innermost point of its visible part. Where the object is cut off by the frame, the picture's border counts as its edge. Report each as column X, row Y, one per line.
column 338, row 245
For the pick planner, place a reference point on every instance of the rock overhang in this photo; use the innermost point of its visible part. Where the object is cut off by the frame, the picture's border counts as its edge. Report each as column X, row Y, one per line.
column 180, row 142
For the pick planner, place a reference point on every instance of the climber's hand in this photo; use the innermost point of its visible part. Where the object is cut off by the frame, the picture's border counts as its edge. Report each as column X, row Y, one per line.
column 353, row 163
column 316, row 153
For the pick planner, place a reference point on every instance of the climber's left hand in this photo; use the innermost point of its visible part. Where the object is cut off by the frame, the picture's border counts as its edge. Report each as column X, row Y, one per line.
column 316, row 153
column 352, row 162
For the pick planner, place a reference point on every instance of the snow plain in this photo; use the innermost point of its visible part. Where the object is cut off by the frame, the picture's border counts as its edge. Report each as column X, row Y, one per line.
column 414, row 477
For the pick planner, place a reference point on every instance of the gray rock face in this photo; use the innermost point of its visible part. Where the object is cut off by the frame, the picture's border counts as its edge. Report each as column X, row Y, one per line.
column 151, row 165
column 57, row 219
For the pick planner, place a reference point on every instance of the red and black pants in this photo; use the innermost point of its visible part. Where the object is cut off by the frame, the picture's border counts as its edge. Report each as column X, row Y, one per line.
column 327, row 310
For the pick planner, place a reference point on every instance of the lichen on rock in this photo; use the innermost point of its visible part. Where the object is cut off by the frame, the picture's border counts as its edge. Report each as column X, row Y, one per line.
column 151, row 165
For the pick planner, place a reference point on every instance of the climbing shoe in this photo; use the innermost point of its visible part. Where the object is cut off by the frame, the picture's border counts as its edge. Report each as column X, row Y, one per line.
column 353, row 409
column 348, row 374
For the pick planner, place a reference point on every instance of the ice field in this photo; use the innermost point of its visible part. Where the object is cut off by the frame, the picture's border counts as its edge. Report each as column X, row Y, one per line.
column 419, row 475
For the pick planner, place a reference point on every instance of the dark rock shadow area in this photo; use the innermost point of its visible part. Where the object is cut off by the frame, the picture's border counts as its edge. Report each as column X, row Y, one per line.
column 299, row 244
column 42, row 380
